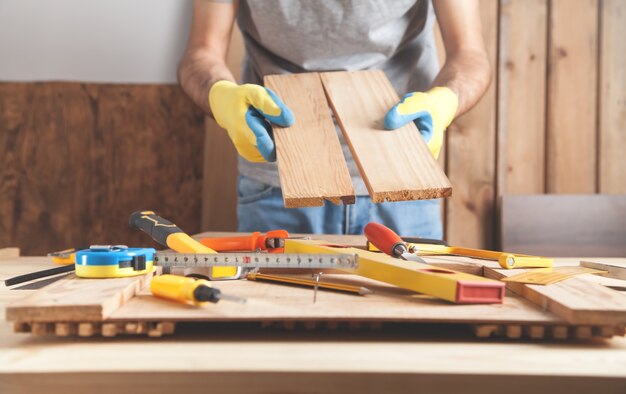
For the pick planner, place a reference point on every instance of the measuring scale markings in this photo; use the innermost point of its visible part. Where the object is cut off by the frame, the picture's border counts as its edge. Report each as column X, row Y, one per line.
column 256, row 260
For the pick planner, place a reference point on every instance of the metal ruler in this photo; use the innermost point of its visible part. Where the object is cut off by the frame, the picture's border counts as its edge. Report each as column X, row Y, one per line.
column 257, row 260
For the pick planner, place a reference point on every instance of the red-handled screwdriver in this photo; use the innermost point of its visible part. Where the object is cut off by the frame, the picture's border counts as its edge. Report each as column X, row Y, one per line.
column 389, row 242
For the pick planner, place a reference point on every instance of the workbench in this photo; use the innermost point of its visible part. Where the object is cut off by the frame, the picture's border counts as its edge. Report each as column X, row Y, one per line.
column 241, row 358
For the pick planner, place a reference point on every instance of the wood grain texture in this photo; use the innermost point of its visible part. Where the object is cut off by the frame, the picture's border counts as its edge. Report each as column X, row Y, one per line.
column 322, row 375
column 219, row 186
column 521, row 96
column 77, row 159
column 612, row 98
column 471, row 157
column 273, row 302
column 310, row 160
column 576, row 300
column 572, row 92
column 613, row 270
column 76, row 299
column 564, row 225
column 395, row 165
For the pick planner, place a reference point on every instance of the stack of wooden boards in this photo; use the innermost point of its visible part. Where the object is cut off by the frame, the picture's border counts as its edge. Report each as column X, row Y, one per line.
column 395, row 165
column 573, row 308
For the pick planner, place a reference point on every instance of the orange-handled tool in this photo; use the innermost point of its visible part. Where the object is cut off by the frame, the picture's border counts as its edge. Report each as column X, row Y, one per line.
column 273, row 242
column 387, row 241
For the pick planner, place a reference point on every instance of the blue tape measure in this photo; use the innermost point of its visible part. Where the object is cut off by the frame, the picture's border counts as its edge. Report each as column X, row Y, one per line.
column 113, row 261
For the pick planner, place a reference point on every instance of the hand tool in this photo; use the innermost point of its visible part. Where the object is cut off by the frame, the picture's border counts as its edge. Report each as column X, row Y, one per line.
column 273, row 242
column 168, row 234
column 65, row 256
column 443, row 283
column 188, row 290
column 257, row 260
column 419, row 240
column 98, row 261
column 429, row 247
column 387, row 241
column 308, row 282
column 113, row 261
column 38, row 275
column 506, row 260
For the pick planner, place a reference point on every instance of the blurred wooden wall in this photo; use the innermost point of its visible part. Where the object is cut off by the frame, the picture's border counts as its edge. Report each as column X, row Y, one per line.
column 76, row 159
column 552, row 121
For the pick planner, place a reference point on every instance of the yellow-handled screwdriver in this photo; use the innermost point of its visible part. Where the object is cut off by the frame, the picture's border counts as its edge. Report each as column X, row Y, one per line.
column 188, row 290
column 168, row 234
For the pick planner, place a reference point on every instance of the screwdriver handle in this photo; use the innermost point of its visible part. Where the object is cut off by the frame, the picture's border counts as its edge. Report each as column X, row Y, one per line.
column 250, row 242
column 154, row 225
column 166, row 233
column 385, row 239
column 230, row 244
column 184, row 290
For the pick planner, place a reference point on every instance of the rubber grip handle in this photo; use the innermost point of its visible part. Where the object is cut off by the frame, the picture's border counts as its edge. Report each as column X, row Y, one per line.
column 230, row 244
column 384, row 238
column 153, row 225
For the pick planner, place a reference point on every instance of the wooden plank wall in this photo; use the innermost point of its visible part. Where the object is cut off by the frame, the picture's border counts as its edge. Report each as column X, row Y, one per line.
column 77, row 159
column 559, row 105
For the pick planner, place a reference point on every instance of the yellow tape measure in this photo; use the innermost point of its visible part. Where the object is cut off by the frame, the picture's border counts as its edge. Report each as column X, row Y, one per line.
column 549, row 276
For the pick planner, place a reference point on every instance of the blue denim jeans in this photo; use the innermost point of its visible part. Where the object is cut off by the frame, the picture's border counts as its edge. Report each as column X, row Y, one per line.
column 260, row 208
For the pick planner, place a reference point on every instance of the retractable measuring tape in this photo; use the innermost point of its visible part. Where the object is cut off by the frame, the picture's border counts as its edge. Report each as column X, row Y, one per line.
column 113, row 261
column 116, row 261
column 256, row 260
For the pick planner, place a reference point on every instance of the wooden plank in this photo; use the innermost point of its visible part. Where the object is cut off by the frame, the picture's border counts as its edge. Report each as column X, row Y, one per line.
column 576, row 300
column 471, row 157
column 310, row 160
column 219, row 185
column 612, row 98
column 9, row 253
column 267, row 302
column 75, row 299
column 564, row 225
column 572, row 93
column 395, row 165
column 614, row 271
column 76, row 159
column 521, row 96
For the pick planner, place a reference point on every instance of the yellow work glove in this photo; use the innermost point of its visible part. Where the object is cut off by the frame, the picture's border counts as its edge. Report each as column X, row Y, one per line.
column 432, row 113
column 245, row 112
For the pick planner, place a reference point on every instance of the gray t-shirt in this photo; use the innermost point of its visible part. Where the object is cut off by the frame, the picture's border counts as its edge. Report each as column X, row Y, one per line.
column 294, row 36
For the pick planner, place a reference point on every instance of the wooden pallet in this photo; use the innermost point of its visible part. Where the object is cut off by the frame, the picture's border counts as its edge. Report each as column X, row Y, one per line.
column 113, row 307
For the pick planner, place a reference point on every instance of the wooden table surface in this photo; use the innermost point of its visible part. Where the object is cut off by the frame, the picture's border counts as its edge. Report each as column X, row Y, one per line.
column 429, row 358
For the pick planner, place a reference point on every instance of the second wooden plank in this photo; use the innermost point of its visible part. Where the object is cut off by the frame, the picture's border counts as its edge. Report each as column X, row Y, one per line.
column 395, row 165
